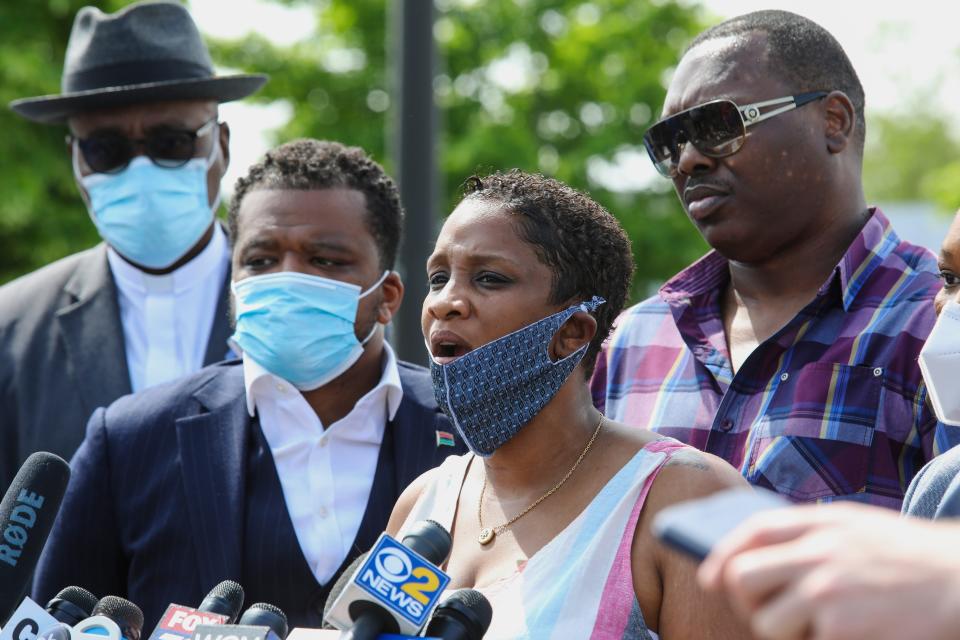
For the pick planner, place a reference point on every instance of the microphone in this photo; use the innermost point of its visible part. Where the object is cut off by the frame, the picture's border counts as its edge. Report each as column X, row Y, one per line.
column 262, row 614
column 396, row 587
column 464, row 615
column 220, row 606
column 127, row 616
column 261, row 621
column 339, row 586
column 72, row 605
column 27, row 512
column 226, row 598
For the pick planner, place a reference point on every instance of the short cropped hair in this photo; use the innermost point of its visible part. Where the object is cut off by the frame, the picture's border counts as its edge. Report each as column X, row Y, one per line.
column 583, row 245
column 309, row 164
column 806, row 55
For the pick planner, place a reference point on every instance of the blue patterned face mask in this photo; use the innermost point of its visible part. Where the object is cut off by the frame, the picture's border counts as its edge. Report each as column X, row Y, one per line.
column 491, row 392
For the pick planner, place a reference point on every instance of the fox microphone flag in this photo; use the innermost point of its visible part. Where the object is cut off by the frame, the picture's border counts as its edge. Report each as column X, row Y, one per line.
column 221, row 606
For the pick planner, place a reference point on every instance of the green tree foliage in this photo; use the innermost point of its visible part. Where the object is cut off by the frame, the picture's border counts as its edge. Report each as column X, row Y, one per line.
column 912, row 154
column 41, row 216
column 557, row 86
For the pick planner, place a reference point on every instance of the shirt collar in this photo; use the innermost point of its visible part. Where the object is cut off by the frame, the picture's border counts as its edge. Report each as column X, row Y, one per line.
column 869, row 249
column 133, row 281
column 258, row 381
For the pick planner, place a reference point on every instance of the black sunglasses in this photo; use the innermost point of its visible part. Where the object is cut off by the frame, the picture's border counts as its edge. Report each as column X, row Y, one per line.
column 111, row 152
column 717, row 128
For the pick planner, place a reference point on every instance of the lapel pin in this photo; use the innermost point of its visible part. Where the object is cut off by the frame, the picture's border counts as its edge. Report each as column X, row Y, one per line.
column 445, row 439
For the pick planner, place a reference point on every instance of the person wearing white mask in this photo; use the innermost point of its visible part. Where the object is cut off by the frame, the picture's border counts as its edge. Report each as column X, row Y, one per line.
column 935, row 491
column 149, row 304
column 846, row 572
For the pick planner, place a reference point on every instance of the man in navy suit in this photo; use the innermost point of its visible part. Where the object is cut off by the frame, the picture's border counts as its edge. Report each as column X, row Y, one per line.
column 276, row 470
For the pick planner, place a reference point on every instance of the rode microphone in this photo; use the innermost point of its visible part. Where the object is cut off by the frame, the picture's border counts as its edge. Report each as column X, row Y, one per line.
column 220, row 606
column 261, row 621
column 464, row 615
column 27, row 512
column 72, row 605
column 127, row 616
column 396, row 587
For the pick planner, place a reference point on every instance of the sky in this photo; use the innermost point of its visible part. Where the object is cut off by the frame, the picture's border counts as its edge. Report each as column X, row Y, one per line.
column 904, row 52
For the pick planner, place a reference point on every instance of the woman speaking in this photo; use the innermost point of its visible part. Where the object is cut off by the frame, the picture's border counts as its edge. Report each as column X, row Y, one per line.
column 550, row 512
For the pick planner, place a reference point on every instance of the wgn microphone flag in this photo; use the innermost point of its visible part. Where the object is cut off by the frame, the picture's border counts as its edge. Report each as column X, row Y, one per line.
column 261, row 621
column 27, row 512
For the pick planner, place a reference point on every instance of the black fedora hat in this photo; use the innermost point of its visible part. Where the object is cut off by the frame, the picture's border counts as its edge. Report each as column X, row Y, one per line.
column 147, row 52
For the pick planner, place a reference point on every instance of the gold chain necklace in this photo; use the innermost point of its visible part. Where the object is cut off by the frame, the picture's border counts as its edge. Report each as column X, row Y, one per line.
column 487, row 534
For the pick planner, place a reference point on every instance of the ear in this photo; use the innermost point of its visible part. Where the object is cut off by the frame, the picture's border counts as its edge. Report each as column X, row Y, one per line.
column 841, row 121
column 69, row 149
column 224, row 129
column 392, row 296
column 576, row 332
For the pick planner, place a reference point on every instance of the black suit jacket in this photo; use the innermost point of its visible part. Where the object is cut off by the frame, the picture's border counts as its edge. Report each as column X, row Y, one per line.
column 62, row 355
column 155, row 507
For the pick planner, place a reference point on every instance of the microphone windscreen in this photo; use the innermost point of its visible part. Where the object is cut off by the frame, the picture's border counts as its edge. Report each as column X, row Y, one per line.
column 340, row 585
column 467, row 611
column 72, row 605
column 430, row 540
column 226, row 598
column 127, row 615
column 27, row 513
column 263, row 614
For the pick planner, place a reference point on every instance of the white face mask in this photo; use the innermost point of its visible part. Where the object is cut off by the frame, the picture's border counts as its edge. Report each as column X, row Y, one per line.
column 940, row 364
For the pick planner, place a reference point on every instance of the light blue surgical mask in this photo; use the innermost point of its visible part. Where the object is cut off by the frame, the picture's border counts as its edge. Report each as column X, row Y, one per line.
column 299, row 327
column 492, row 392
column 151, row 215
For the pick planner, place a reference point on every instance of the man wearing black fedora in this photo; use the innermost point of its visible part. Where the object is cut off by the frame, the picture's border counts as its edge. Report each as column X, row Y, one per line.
column 149, row 304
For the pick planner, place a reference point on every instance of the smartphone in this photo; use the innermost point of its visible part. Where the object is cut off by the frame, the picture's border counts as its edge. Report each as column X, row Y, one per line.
column 695, row 526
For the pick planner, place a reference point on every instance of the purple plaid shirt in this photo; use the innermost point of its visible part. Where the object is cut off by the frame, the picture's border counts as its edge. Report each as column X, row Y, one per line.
column 832, row 406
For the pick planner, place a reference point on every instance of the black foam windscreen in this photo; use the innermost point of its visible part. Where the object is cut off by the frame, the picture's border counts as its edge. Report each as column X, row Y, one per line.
column 430, row 540
column 27, row 513
column 465, row 615
column 226, row 598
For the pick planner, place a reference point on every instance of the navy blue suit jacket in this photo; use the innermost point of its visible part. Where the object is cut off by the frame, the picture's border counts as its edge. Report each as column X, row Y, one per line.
column 155, row 507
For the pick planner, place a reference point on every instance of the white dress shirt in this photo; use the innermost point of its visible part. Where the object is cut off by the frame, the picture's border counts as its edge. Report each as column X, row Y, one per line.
column 326, row 474
column 167, row 319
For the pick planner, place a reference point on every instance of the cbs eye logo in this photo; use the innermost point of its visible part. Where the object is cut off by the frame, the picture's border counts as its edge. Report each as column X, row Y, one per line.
column 395, row 566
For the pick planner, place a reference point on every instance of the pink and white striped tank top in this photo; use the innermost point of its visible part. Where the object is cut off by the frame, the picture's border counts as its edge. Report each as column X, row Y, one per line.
column 580, row 584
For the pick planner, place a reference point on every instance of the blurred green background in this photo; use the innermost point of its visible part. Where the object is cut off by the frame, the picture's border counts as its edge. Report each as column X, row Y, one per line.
column 564, row 87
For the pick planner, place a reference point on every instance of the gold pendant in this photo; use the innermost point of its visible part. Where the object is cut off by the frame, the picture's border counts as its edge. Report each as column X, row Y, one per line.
column 486, row 536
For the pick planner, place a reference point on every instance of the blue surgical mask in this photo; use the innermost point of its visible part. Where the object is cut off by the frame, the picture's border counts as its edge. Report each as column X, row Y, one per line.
column 151, row 215
column 491, row 392
column 299, row 327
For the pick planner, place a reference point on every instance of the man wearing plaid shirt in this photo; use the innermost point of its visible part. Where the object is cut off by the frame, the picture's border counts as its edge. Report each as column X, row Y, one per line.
column 790, row 350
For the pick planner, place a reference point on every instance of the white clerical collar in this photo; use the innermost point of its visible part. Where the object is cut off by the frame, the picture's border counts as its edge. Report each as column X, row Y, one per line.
column 132, row 280
column 256, row 379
